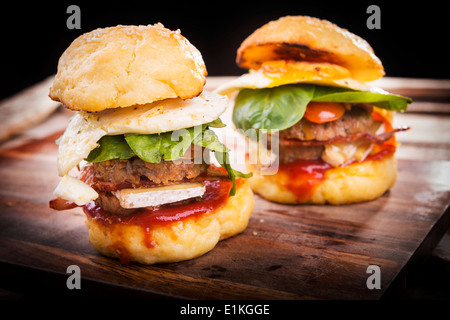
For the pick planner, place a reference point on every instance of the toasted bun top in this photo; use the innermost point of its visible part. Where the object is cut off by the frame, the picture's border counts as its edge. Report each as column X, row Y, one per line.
column 310, row 39
column 126, row 65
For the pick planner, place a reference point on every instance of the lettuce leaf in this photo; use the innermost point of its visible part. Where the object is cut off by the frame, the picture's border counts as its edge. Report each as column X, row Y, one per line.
column 224, row 161
column 216, row 124
column 382, row 100
column 154, row 147
column 281, row 107
column 271, row 108
column 208, row 139
column 168, row 146
column 110, row 147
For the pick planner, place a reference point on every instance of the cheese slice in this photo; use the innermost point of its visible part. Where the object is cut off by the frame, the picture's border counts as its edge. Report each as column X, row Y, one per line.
column 72, row 189
column 150, row 197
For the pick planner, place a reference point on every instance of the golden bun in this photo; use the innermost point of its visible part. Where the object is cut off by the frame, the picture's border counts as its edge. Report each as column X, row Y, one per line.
column 353, row 183
column 177, row 241
column 127, row 65
column 310, row 39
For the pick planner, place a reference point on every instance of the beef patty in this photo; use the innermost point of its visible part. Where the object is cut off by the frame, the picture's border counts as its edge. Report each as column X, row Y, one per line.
column 357, row 119
column 116, row 174
column 133, row 171
column 306, row 140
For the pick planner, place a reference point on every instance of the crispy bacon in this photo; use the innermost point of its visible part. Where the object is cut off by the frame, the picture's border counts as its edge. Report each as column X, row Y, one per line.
column 61, row 204
column 366, row 135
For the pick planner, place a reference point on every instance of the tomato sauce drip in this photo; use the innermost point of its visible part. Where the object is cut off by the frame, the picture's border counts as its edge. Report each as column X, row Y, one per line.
column 216, row 195
column 303, row 177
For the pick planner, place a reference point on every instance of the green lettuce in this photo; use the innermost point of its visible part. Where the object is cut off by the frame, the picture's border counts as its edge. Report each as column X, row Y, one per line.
column 167, row 146
column 110, row 147
column 281, row 107
column 208, row 139
column 154, row 147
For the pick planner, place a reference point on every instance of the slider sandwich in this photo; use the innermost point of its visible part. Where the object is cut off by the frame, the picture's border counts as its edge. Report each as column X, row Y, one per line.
column 135, row 155
column 328, row 130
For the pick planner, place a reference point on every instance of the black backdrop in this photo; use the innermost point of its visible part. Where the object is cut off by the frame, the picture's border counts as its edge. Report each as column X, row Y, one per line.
column 412, row 42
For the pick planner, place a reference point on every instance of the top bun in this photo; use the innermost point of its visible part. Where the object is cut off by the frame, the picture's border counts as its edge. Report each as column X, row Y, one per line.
column 127, row 65
column 304, row 38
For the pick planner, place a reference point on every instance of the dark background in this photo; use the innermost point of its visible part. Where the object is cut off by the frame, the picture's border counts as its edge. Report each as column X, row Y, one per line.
column 412, row 42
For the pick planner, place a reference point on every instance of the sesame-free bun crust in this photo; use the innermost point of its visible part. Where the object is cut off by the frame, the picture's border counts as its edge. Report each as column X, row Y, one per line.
column 310, row 39
column 178, row 241
column 353, row 183
column 127, row 65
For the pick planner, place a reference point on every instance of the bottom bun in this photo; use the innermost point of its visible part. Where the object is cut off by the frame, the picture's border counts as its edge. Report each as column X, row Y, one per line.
column 356, row 182
column 175, row 241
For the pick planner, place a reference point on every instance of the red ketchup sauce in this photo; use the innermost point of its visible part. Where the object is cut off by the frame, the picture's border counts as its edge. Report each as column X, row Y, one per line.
column 303, row 177
column 216, row 195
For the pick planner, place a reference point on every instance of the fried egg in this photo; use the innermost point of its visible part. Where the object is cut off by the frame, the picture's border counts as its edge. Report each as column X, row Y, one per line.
column 280, row 72
column 86, row 128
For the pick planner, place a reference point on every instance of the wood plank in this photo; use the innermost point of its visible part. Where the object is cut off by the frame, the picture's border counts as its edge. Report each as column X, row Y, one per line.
column 429, row 107
column 417, row 89
column 428, row 138
column 153, row 280
column 287, row 252
column 26, row 109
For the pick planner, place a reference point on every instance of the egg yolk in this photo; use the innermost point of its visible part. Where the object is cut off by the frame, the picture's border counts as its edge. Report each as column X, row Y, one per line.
column 321, row 112
column 288, row 71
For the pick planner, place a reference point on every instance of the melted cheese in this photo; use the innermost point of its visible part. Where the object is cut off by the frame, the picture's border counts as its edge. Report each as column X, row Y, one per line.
column 338, row 154
column 150, row 197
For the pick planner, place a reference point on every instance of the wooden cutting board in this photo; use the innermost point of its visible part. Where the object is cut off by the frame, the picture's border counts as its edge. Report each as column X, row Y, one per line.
column 287, row 252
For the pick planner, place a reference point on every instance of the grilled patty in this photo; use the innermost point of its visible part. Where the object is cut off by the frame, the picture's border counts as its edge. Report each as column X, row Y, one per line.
column 136, row 171
column 306, row 140
column 357, row 119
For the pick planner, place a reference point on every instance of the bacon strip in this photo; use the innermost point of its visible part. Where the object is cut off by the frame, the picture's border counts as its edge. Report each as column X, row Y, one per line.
column 61, row 204
column 366, row 135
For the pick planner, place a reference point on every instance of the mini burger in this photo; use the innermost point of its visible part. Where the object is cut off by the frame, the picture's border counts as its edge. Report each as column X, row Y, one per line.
column 329, row 131
column 135, row 155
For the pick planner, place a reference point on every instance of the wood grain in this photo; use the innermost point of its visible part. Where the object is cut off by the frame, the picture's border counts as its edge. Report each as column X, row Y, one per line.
column 418, row 89
column 287, row 252
column 26, row 109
